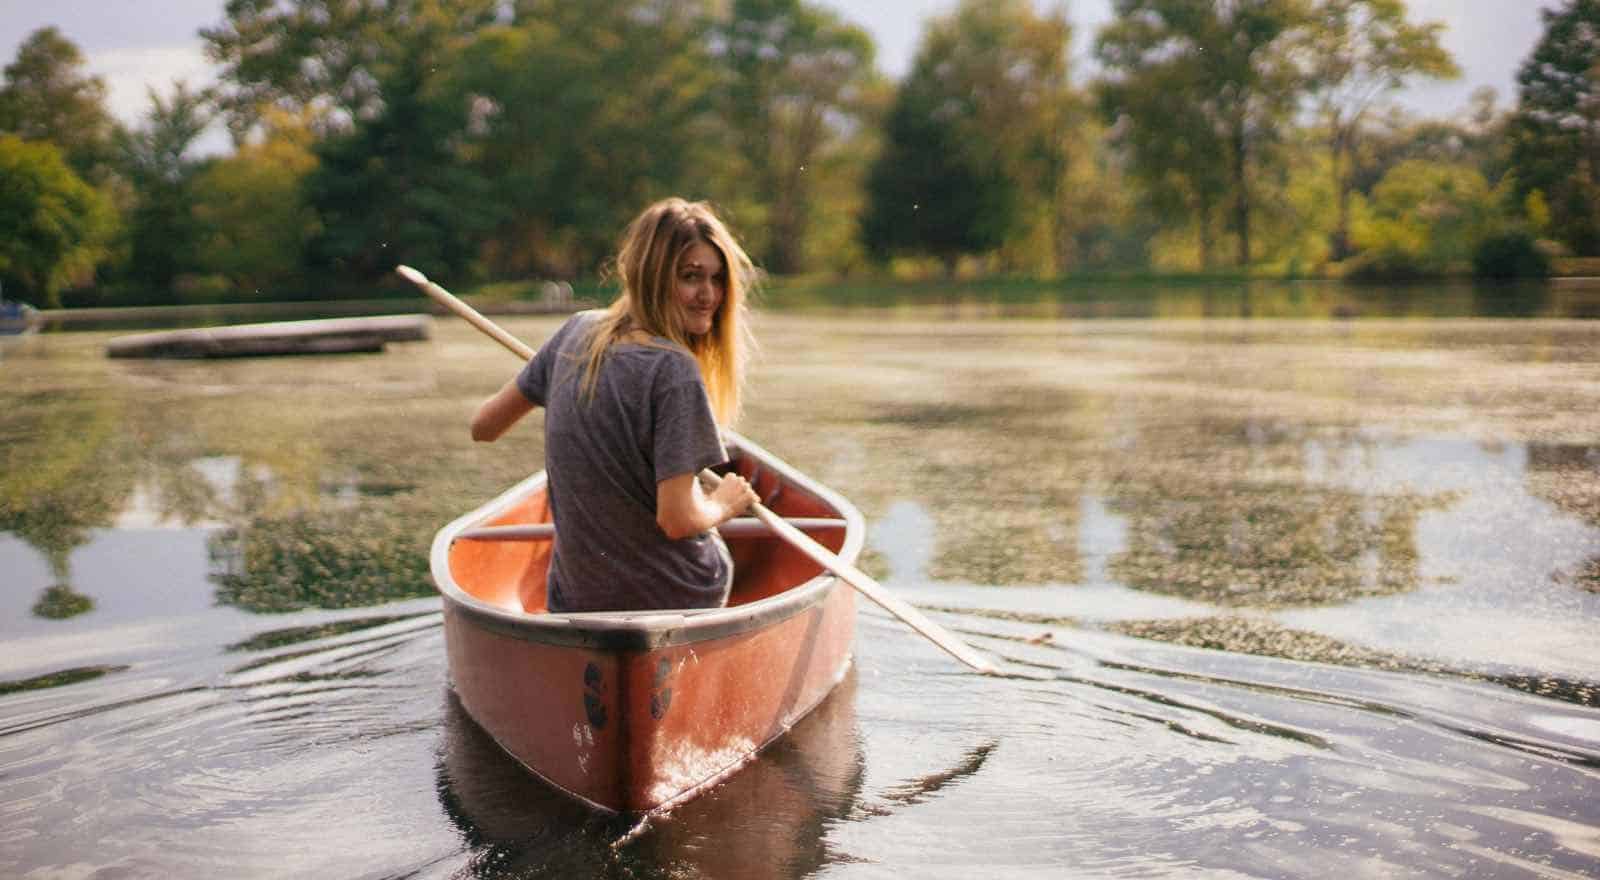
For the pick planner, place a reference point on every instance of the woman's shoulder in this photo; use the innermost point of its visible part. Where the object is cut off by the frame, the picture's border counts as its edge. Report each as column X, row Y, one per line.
column 661, row 357
column 576, row 327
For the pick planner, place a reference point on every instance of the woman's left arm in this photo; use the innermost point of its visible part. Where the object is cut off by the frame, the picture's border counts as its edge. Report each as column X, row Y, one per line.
column 496, row 415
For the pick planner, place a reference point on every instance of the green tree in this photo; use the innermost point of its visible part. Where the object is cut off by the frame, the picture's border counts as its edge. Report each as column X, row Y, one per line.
column 47, row 97
column 1556, row 130
column 154, row 159
column 975, row 144
column 1172, row 148
column 53, row 226
column 325, row 60
column 796, row 78
column 1228, row 68
column 1424, row 217
column 583, row 113
column 1478, row 138
column 398, row 187
column 251, row 209
column 1360, row 51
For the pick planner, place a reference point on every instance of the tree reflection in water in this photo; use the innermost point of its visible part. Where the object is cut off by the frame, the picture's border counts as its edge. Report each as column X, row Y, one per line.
column 1566, row 474
column 60, row 480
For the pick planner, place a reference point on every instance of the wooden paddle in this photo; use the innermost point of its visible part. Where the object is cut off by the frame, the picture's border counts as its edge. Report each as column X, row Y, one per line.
column 819, row 554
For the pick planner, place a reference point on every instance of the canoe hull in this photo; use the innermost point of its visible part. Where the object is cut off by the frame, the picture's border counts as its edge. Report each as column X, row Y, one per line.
column 633, row 732
column 633, row 713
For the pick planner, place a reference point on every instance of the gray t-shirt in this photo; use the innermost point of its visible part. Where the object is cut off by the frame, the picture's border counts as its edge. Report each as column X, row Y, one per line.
column 649, row 419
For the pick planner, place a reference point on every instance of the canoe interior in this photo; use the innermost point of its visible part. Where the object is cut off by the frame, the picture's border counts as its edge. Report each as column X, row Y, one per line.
column 511, row 574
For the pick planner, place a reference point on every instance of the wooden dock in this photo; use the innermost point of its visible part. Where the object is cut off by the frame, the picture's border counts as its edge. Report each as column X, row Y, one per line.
column 323, row 336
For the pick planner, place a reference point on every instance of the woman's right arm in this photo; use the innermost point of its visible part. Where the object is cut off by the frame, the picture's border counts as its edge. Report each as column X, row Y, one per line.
column 496, row 415
column 683, row 510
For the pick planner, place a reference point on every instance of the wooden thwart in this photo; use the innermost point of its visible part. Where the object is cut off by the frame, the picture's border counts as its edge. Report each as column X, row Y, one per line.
column 742, row 527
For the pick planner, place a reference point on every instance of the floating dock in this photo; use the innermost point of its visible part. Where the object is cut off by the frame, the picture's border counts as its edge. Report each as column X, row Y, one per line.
column 323, row 336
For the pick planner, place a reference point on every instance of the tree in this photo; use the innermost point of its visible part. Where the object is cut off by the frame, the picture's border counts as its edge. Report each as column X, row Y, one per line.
column 795, row 79
column 1360, row 51
column 583, row 113
column 47, row 97
column 322, row 59
column 253, row 217
column 53, row 226
column 1227, row 66
column 1556, row 129
column 154, row 160
column 1423, row 217
column 398, row 187
column 974, row 151
column 1173, row 150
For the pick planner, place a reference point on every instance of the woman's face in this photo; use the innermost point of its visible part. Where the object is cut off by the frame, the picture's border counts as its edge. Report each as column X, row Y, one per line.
column 698, row 287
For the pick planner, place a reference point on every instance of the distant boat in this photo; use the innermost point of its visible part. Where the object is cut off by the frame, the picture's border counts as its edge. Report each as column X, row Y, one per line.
column 323, row 336
column 17, row 318
column 637, row 711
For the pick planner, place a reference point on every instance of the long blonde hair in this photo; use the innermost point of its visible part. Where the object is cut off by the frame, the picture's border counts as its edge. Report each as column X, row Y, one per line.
column 646, row 263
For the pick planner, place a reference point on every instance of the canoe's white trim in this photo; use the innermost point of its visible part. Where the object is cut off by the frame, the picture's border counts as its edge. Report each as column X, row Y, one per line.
column 678, row 625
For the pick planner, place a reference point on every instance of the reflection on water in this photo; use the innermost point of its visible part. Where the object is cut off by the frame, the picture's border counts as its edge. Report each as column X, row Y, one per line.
column 58, row 679
column 766, row 821
column 60, row 602
column 1276, row 598
column 324, row 749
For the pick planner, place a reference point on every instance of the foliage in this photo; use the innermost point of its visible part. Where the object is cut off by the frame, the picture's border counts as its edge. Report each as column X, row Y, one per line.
column 1398, row 136
column 797, row 79
column 1510, row 253
column 252, row 211
column 975, row 136
column 53, row 227
column 581, row 115
column 1221, row 74
column 1298, row 213
column 326, row 559
column 513, row 139
column 1391, row 250
column 1361, row 51
column 1555, row 133
column 154, row 160
column 324, row 60
column 398, row 187
column 1423, row 218
column 46, row 97
column 1173, row 151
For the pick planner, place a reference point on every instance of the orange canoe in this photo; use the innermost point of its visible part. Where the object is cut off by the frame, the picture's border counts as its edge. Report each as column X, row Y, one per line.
column 634, row 712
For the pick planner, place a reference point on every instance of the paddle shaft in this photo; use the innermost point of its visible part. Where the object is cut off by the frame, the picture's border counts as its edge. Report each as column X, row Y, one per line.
column 866, row 586
column 471, row 315
column 819, row 554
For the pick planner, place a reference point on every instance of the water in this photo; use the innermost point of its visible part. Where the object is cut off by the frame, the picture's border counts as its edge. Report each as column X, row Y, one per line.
column 1273, row 599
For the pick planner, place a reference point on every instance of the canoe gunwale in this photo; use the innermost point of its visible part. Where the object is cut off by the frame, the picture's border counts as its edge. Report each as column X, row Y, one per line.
column 636, row 631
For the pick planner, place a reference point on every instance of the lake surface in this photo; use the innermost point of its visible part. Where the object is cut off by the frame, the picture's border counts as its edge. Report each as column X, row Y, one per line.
column 1275, row 597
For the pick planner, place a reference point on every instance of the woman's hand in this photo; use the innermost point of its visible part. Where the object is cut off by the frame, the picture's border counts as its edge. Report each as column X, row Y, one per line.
column 735, row 495
column 684, row 510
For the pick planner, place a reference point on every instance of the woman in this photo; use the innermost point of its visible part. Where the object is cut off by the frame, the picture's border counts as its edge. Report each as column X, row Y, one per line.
column 633, row 397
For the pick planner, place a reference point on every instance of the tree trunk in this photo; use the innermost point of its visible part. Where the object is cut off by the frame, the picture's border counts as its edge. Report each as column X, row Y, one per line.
column 788, row 235
column 1241, row 207
column 1340, row 245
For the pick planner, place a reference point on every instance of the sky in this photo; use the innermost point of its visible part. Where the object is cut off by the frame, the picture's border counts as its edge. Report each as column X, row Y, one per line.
column 139, row 44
